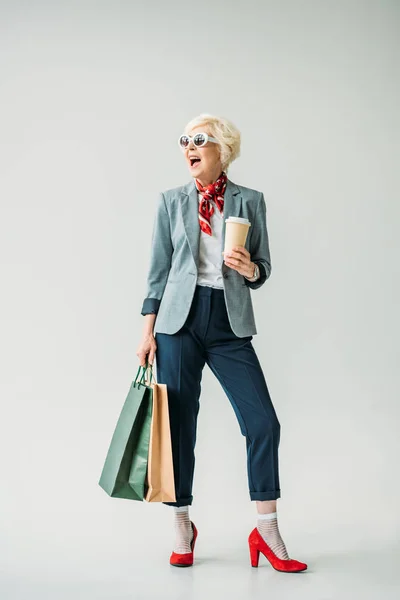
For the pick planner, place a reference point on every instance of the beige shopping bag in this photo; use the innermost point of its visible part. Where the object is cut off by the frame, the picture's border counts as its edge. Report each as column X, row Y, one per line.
column 160, row 471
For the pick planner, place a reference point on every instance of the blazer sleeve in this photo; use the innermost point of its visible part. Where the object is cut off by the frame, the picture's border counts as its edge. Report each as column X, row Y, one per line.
column 259, row 249
column 160, row 258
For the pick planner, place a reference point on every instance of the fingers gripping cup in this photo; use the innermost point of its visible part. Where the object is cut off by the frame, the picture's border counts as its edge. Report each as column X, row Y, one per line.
column 236, row 232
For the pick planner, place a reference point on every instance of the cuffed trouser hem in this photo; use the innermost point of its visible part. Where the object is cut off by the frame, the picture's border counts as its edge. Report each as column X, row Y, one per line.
column 272, row 495
column 181, row 502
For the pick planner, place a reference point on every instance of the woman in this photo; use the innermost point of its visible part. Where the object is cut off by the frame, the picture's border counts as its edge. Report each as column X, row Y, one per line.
column 198, row 310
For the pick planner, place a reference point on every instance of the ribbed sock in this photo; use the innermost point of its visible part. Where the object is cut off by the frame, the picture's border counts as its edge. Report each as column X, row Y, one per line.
column 183, row 529
column 267, row 525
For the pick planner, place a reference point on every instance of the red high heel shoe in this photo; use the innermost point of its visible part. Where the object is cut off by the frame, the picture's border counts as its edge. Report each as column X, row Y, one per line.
column 186, row 559
column 257, row 544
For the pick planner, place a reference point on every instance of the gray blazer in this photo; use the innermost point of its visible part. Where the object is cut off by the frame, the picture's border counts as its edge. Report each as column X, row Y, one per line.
column 172, row 275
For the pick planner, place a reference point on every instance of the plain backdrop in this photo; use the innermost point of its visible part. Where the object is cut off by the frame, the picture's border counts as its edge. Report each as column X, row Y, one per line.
column 93, row 97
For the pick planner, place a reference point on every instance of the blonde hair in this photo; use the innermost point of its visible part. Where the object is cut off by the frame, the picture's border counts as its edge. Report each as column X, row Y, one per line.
column 224, row 131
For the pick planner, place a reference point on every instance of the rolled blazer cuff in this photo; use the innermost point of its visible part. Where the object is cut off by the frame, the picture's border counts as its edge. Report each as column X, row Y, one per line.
column 263, row 276
column 150, row 306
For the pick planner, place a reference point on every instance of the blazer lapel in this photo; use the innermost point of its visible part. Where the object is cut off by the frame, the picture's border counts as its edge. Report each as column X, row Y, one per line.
column 190, row 211
column 232, row 206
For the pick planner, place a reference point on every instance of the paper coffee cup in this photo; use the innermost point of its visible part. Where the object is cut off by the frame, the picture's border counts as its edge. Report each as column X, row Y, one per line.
column 236, row 232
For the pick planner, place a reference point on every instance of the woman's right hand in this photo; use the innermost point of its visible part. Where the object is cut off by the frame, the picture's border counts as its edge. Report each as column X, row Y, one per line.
column 147, row 349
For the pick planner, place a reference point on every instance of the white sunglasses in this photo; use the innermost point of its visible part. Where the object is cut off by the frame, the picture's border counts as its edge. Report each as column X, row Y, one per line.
column 199, row 140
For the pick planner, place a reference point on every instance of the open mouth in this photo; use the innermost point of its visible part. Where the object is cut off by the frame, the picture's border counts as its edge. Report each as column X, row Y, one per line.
column 194, row 161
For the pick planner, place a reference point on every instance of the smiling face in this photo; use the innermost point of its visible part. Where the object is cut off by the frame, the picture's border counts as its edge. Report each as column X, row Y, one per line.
column 204, row 163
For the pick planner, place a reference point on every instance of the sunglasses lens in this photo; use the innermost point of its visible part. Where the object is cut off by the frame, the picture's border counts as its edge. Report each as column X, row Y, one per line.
column 184, row 141
column 199, row 139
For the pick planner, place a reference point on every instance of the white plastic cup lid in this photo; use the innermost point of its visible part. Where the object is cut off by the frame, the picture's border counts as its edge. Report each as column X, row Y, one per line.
column 238, row 220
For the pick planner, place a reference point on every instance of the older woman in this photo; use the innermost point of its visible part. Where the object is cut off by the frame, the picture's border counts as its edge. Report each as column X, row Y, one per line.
column 198, row 310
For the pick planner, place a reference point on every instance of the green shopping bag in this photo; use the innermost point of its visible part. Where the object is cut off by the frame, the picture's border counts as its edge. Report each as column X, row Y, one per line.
column 125, row 467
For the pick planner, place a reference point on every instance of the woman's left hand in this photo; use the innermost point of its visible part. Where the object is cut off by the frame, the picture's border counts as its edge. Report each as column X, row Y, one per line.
column 239, row 259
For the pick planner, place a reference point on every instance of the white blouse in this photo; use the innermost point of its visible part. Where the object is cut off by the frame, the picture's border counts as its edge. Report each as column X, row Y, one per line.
column 210, row 252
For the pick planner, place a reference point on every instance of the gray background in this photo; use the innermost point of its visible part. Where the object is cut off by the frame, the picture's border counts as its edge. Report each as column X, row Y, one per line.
column 93, row 98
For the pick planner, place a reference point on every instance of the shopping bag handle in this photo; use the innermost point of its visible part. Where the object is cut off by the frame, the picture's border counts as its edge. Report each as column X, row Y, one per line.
column 150, row 366
column 143, row 379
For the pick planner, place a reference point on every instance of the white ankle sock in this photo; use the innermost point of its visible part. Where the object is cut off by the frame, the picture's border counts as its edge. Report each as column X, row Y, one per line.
column 267, row 525
column 183, row 529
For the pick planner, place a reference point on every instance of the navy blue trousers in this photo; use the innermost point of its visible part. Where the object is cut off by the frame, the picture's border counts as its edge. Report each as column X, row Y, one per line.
column 207, row 337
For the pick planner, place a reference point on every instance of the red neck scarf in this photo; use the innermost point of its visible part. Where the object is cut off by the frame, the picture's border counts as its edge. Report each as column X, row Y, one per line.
column 214, row 191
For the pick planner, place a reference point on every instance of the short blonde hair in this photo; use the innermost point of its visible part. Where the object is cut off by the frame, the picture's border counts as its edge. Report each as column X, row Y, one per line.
column 224, row 131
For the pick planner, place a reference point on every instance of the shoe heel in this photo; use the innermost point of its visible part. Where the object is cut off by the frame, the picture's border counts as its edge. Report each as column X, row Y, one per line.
column 254, row 555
